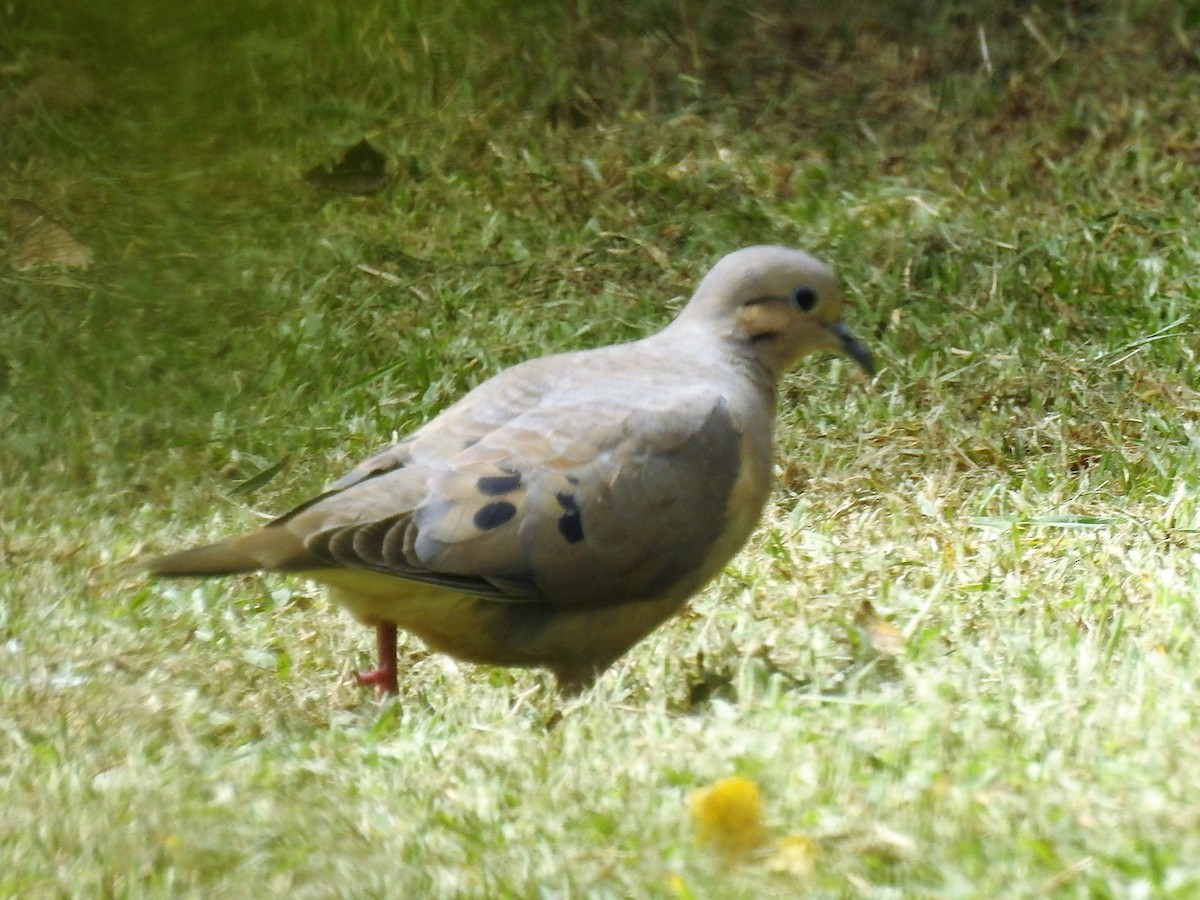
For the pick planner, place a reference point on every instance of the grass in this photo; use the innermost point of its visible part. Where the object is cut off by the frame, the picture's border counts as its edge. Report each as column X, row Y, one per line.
column 1010, row 200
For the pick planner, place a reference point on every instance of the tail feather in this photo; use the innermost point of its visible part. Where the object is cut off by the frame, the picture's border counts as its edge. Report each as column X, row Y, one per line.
column 268, row 548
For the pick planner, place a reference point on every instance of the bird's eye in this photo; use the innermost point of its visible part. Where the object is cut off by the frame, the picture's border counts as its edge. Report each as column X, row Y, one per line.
column 804, row 298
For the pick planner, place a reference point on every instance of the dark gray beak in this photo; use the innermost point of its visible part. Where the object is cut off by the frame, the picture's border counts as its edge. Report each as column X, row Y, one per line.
column 850, row 345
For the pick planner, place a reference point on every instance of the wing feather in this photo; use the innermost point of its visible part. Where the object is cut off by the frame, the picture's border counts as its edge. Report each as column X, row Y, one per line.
column 535, row 487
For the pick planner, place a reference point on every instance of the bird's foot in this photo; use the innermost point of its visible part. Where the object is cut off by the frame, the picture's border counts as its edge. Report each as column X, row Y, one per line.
column 384, row 679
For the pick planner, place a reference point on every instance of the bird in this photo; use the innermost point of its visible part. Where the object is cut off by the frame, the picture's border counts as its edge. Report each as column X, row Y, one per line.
column 563, row 509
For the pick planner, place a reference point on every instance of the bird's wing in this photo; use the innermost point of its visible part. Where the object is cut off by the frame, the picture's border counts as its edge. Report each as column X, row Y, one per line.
column 606, row 490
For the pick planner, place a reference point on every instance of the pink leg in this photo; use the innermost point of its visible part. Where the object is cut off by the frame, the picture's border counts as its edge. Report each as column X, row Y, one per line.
column 384, row 679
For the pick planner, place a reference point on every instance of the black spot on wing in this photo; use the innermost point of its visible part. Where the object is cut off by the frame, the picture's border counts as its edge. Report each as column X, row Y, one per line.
column 571, row 528
column 498, row 485
column 494, row 515
column 570, row 525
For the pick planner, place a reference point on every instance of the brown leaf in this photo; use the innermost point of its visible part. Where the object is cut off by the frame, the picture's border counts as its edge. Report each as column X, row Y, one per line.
column 42, row 241
column 884, row 637
column 361, row 170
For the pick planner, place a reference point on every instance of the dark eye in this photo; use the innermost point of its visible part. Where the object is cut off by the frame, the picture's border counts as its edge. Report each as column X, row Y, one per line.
column 804, row 298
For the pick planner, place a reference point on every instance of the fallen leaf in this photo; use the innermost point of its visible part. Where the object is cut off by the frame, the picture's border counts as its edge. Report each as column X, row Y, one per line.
column 727, row 816
column 884, row 637
column 361, row 170
column 42, row 241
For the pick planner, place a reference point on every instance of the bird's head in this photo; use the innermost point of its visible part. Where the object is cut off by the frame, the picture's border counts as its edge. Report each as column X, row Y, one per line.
column 775, row 305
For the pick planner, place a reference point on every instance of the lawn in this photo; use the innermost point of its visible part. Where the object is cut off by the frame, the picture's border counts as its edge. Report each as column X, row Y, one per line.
column 1010, row 198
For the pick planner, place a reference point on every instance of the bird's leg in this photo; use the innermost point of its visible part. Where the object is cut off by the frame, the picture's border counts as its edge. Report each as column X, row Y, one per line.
column 575, row 679
column 383, row 679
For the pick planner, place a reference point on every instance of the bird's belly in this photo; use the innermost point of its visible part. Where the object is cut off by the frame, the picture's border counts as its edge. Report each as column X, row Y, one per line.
column 562, row 635
column 496, row 632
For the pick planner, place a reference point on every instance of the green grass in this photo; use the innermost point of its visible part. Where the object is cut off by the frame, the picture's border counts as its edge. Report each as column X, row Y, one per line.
column 1017, row 488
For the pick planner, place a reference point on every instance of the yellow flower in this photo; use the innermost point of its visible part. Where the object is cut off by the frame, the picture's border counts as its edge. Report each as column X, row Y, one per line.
column 727, row 816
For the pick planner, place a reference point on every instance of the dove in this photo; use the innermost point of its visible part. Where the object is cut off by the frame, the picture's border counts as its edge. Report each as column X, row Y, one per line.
column 564, row 508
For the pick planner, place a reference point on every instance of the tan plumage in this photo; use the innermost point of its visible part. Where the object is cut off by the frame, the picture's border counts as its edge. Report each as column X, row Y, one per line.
column 561, row 510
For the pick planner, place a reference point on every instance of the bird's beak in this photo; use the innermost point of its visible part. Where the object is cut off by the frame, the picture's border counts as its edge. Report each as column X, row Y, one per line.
column 849, row 344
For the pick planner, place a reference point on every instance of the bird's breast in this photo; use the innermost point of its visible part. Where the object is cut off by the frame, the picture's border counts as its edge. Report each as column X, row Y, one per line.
column 748, row 495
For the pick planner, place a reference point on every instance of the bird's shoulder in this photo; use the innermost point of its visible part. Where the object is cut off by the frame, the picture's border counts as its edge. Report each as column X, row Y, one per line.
column 583, row 399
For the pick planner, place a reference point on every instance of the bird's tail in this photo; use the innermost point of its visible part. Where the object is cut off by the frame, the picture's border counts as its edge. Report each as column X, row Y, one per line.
column 267, row 548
